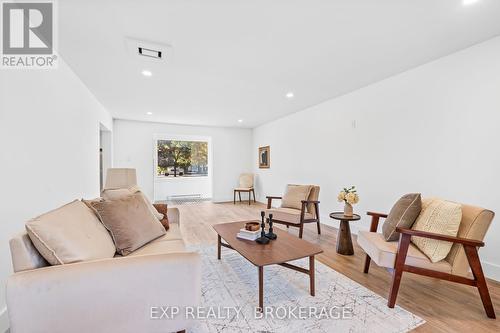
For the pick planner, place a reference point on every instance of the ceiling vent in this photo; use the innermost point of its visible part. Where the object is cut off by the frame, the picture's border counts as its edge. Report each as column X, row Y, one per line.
column 149, row 53
column 147, row 50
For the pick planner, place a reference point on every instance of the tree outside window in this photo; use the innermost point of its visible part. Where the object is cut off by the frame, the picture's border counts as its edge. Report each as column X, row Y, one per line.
column 182, row 158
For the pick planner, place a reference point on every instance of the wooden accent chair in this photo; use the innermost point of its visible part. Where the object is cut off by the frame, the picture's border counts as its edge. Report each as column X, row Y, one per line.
column 246, row 185
column 309, row 212
column 403, row 256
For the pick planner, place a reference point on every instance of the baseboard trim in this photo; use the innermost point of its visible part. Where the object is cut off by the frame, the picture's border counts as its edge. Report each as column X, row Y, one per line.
column 4, row 320
column 491, row 270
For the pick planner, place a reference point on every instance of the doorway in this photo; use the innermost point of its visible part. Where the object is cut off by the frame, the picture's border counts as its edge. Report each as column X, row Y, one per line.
column 105, row 153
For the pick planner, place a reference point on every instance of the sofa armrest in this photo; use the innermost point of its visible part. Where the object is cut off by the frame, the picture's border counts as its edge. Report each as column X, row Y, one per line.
column 110, row 295
column 174, row 215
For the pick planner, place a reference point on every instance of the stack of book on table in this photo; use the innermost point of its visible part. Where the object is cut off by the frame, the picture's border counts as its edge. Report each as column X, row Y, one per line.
column 248, row 235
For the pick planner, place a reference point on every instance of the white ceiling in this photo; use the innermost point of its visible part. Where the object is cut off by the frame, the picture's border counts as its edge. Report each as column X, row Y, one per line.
column 237, row 59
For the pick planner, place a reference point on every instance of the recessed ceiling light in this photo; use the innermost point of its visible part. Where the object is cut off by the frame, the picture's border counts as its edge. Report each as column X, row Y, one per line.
column 149, row 113
column 289, row 94
column 469, row 2
column 146, row 73
column 240, row 120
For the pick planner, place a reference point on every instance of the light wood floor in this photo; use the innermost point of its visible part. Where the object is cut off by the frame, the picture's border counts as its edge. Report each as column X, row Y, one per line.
column 446, row 307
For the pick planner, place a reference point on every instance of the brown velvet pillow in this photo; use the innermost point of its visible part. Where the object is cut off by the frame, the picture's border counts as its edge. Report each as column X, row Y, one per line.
column 162, row 209
column 403, row 214
column 112, row 194
column 130, row 222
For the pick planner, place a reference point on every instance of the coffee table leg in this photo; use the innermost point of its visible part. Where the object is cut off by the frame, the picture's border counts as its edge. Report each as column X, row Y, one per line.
column 218, row 246
column 344, row 240
column 261, row 288
column 311, row 276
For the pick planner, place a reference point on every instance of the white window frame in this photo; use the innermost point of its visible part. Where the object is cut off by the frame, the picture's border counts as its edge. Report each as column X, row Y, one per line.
column 158, row 137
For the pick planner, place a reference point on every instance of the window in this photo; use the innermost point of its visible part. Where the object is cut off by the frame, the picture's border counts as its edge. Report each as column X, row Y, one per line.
column 176, row 158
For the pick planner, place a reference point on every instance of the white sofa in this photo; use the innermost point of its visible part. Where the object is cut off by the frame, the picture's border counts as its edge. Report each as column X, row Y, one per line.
column 108, row 295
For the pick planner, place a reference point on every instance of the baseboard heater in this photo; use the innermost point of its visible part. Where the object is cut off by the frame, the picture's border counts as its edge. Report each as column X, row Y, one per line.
column 184, row 197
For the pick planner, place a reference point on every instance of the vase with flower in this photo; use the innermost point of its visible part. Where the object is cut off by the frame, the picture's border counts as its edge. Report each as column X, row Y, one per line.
column 349, row 196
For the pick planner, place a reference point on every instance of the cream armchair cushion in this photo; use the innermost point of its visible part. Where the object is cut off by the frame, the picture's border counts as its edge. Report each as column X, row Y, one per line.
column 69, row 234
column 287, row 214
column 383, row 253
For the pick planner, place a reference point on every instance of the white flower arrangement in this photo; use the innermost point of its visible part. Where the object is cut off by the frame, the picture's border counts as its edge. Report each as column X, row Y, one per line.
column 348, row 195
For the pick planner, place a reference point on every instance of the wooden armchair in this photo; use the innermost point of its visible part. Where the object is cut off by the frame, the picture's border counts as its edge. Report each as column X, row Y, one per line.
column 403, row 256
column 309, row 212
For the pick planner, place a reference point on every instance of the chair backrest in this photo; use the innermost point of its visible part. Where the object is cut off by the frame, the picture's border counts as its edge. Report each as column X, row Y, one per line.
column 120, row 178
column 246, row 180
column 313, row 195
column 474, row 225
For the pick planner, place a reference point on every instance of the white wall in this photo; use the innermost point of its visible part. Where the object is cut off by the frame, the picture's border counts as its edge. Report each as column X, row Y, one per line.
column 231, row 152
column 434, row 130
column 49, row 144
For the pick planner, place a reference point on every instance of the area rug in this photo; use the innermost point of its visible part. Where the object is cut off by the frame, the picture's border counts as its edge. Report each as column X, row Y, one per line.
column 230, row 295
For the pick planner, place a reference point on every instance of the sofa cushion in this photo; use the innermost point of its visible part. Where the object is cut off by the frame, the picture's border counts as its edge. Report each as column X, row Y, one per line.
column 173, row 233
column 440, row 217
column 403, row 214
column 287, row 214
column 160, row 246
column 112, row 194
column 129, row 221
column 294, row 195
column 68, row 234
column 24, row 254
column 383, row 253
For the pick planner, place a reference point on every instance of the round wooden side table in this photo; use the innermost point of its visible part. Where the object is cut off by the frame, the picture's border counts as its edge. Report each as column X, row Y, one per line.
column 344, row 240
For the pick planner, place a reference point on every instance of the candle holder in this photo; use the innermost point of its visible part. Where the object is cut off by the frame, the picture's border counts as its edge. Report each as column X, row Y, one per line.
column 271, row 235
column 262, row 239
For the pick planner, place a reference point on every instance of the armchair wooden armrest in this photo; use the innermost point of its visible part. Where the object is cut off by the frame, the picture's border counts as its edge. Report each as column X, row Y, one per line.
column 374, row 214
column 418, row 233
column 270, row 199
column 375, row 219
column 310, row 201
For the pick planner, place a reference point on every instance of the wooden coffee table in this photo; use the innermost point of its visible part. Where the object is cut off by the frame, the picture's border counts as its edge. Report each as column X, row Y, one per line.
column 278, row 252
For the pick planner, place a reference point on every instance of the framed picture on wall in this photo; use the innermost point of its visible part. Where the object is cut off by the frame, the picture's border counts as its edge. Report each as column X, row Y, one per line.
column 264, row 157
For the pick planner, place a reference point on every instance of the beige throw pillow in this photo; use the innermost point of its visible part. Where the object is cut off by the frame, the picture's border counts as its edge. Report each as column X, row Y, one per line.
column 294, row 195
column 130, row 222
column 71, row 233
column 403, row 214
column 440, row 217
column 112, row 194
